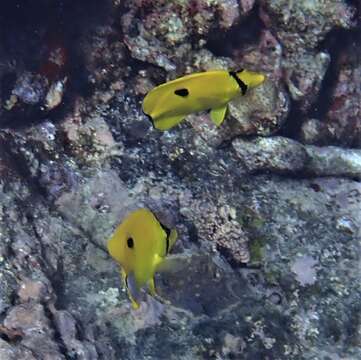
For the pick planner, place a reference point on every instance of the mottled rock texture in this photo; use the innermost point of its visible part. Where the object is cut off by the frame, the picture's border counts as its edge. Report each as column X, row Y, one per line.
column 267, row 206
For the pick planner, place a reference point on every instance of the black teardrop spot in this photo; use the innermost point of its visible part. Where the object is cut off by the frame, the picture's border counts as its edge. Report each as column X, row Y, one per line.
column 130, row 243
column 182, row 92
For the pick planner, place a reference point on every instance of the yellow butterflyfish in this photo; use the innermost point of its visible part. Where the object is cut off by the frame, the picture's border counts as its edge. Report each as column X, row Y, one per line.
column 169, row 103
column 140, row 244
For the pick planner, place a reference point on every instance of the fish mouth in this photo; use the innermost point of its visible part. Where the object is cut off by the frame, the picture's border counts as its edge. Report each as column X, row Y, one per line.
column 258, row 79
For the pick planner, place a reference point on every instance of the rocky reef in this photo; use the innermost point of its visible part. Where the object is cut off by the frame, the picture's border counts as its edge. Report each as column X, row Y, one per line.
column 267, row 206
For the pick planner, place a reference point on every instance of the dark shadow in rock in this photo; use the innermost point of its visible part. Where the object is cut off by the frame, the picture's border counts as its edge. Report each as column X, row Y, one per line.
column 239, row 36
column 201, row 287
column 293, row 123
column 29, row 32
column 336, row 43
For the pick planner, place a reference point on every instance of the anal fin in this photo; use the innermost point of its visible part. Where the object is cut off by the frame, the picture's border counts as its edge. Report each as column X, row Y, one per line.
column 218, row 114
column 168, row 123
column 132, row 289
column 151, row 286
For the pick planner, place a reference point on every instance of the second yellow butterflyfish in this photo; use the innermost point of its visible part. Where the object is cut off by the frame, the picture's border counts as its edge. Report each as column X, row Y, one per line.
column 140, row 244
column 169, row 103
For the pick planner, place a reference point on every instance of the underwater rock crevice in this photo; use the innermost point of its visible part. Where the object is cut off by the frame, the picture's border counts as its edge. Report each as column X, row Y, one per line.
column 294, row 121
column 336, row 44
column 55, row 275
column 45, row 42
column 246, row 32
column 15, row 162
column 57, row 338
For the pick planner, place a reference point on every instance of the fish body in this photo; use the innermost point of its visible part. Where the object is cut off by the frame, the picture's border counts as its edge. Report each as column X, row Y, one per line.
column 140, row 244
column 169, row 103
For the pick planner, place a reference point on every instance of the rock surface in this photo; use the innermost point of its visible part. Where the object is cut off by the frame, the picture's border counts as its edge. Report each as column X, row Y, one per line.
column 267, row 207
column 282, row 155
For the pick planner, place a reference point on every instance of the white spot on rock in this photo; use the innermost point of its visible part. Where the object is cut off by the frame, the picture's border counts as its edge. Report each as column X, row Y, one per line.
column 303, row 267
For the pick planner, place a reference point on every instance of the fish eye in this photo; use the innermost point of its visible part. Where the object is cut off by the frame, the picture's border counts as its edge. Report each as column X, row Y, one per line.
column 130, row 243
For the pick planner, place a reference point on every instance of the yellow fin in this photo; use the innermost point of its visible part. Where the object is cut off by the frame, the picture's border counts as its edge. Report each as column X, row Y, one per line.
column 218, row 114
column 167, row 123
column 154, row 293
column 151, row 286
column 172, row 263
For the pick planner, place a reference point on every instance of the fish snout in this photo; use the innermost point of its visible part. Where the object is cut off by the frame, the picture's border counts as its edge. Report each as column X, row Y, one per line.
column 256, row 79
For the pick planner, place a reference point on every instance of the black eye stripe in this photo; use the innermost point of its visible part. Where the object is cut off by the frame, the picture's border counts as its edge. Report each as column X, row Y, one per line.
column 240, row 83
column 130, row 243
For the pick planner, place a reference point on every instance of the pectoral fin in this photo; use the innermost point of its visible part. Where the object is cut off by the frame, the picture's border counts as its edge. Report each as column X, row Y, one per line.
column 218, row 114
column 172, row 263
column 167, row 123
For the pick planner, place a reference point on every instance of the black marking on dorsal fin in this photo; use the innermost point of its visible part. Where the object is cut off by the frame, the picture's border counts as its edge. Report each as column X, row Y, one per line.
column 240, row 83
column 182, row 92
column 167, row 245
column 167, row 231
